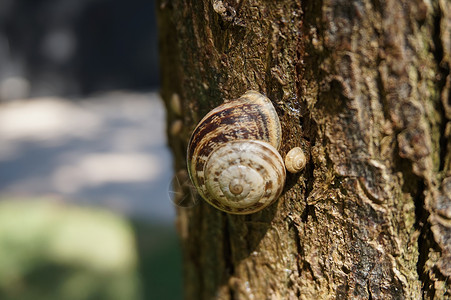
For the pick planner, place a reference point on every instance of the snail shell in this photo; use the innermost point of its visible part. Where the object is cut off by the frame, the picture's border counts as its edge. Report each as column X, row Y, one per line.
column 232, row 155
column 295, row 160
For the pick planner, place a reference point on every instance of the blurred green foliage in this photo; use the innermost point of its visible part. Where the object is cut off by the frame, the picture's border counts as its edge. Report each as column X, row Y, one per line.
column 160, row 261
column 53, row 251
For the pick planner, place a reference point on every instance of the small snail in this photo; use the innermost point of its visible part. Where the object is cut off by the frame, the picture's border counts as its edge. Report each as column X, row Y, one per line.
column 295, row 160
column 233, row 157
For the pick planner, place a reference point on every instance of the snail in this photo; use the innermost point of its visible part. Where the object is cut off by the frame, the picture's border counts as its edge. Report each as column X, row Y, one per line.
column 295, row 160
column 233, row 159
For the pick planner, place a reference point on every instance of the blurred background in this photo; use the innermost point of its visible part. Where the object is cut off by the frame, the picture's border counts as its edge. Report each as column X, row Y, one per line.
column 84, row 163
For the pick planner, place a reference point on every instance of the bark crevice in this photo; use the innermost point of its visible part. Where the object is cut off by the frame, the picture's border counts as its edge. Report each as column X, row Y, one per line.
column 443, row 74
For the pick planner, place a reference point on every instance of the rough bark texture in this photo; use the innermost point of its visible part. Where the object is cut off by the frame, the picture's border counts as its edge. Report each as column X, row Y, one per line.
column 364, row 88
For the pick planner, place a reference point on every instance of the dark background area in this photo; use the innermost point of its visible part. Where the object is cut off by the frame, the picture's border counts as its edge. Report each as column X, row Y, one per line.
column 76, row 47
column 81, row 52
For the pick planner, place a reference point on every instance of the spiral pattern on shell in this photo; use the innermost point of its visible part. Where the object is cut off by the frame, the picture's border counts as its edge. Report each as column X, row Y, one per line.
column 295, row 160
column 232, row 155
column 244, row 176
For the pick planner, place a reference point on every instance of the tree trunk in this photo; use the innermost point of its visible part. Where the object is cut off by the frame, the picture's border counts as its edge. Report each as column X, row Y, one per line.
column 364, row 88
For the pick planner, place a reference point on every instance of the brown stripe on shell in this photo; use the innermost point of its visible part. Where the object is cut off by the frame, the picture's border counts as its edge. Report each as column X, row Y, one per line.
column 200, row 180
column 252, row 112
column 232, row 123
column 270, row 114
column 250, row 117
column 268, row 185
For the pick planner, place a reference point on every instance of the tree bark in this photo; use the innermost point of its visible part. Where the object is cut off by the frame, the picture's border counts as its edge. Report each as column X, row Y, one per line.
column 364, row 88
